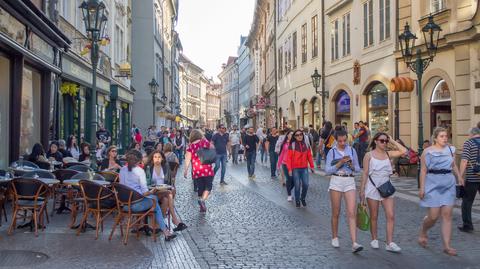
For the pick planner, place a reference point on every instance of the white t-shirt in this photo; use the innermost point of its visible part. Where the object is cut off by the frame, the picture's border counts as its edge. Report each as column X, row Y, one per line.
column 135, row 179
column 235, row 137
column 158, row 179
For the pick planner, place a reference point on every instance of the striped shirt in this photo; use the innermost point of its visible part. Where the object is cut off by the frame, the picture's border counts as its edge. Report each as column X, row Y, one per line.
column 470, row 154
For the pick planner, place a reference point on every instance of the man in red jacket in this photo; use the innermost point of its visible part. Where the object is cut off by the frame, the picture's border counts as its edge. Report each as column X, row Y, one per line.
column 299, row 157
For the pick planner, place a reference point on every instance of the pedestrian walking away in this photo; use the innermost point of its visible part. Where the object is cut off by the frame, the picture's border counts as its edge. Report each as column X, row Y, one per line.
column 179, row 142
column 251, row 144
column 298, row 160
column 235, row 142
column 272, row 139
column 377, row 169
column 220, row 140
column 362, row 136
column 470, row 167
column 437, row 188
column 341, row 164
column 202, row 174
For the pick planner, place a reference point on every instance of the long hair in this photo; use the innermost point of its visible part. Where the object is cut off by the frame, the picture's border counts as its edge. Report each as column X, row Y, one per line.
column 133, row 157
column 327, row 128
column 287, row 132
column 110, row 149
column 373, row 145
column 298, row 145
column 37, row 150
column 195, row 135
column 70, row 143
column 150, row 158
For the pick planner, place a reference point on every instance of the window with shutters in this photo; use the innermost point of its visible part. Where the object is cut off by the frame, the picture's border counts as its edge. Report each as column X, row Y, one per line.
column 304, row 43
column 368, row 23
column 346, row 34
column 437, row 5
column 314, row 36
column 294, row 49
column 334, row 40
column 280, row 62
column 384, row 9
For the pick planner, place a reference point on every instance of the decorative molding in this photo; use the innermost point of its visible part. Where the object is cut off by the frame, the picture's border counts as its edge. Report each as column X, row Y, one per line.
column 356, row 73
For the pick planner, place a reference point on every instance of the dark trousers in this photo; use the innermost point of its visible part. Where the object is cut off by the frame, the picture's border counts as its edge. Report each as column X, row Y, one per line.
column 471, row 189
column 251, row 158
column 362, row 150
column 273, row 164
column 289, row 184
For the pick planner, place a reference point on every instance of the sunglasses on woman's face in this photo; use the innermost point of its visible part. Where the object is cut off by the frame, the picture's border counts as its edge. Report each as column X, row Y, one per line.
column 383, row 141
column 298, row 135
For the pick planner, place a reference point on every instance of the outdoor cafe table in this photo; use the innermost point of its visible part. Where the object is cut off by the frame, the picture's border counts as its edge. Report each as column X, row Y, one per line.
column 20, row 170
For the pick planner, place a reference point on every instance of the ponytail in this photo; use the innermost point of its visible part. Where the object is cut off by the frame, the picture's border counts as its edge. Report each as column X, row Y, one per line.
column 133, row 158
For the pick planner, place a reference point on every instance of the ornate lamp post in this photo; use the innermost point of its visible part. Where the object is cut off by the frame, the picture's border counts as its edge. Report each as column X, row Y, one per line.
column 93, row 12
column 431, row 33
column 316, row 78
column 154, row 91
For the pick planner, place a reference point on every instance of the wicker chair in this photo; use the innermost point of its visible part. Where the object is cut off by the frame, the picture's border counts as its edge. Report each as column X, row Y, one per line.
column 99, row 201
column 77, row 200
column 61, row 190
column 126, row 197
column 109, row 176
column 28, row 196
column 39, row 173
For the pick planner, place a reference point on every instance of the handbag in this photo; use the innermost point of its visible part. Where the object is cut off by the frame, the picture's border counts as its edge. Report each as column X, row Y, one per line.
column 386, row 189
column 363, row 220
column 460, row 191
column 207, row 155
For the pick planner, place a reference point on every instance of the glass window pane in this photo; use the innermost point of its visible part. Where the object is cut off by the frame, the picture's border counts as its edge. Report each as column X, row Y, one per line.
column 378, row 108
column 30, row 112
column 4, row 111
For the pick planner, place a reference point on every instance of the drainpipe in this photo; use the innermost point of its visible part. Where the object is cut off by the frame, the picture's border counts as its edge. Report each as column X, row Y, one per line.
column 323, row 52
column 397, row 95
column 275, row 60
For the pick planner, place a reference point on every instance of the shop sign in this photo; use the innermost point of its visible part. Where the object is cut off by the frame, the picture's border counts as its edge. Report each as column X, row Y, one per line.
column 41, row 48
column 76, row 71
column 103, row 84
column 125, row 95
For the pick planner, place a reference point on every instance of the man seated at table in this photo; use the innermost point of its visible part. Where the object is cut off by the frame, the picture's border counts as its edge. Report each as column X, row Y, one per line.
column 134, row 177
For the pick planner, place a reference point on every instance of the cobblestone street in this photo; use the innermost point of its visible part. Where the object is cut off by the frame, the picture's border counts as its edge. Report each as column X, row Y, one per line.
column 249, row 224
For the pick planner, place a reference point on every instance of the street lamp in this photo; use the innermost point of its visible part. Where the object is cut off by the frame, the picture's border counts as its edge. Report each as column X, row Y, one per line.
column 93, row 12
column 431, row 34
column 316, row 78
column 154, row 91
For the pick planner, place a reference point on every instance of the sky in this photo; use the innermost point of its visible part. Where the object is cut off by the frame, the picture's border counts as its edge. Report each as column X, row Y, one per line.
column 210, row 30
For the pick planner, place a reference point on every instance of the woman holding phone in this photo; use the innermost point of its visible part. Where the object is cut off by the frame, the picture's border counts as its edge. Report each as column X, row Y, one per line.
column 377, row 169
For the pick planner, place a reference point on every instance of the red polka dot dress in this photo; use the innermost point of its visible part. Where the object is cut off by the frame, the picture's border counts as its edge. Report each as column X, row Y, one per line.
column 199, row 169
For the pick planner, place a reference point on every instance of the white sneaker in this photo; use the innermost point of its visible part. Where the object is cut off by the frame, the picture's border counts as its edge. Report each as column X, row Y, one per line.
column 374, row 244
column 356, row 248
column 335, row 242
column 289, row 198
column 392, row 247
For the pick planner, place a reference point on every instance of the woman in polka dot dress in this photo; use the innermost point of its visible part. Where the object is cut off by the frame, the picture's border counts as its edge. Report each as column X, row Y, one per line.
column 202, row 173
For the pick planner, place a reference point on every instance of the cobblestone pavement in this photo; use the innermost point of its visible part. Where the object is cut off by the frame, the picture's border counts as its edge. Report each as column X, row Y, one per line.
column 250, row 224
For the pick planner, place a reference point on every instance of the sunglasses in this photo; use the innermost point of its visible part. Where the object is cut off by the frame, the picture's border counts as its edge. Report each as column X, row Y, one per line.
column 383, row 141
column 298, row 135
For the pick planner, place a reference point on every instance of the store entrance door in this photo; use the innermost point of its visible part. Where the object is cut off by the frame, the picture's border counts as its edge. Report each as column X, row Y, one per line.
column 441, row 108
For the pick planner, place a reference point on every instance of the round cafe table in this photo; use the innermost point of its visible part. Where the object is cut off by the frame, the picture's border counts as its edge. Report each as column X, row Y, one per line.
column 75, row 182
column 20, row 170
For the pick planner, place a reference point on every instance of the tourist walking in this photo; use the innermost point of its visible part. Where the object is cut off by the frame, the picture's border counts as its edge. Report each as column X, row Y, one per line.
column 270, row 144
column 470, row 167
column 220, row 141
column 283, row 149
column 362, row 136
column 263, row 148
column 179, row 143
column 342, row 163
column 202, row 174
column 251, row 144
column 235, row 141
column 326, row 138
column 437, row 188
column 298, row 159
column 377, row 169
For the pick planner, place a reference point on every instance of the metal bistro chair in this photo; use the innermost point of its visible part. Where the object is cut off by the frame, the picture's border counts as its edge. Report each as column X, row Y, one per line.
column 126, row 197
column 61, row 190
column 99, row 201
column 80, row 168
column 77, row 201
column 27, row 195
column 109, row 176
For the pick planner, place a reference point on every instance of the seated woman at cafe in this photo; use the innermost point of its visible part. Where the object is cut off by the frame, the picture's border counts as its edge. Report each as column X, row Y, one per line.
column 53, row 152
column 134, row 177
column 111, row 162
column 156, row 167
column 72, row 146
column 84, row 153
column 38, row 155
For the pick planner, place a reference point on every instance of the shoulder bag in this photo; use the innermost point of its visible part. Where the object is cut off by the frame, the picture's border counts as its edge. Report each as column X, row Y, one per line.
column 207, row 155
column 386, row 189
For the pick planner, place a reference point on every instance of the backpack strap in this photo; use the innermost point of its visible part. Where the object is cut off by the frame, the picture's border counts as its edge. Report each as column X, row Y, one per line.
column 450, row 150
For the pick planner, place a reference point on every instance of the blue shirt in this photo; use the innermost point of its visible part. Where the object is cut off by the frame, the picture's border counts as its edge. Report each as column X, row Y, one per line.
column 348, row 151
column 220, row 142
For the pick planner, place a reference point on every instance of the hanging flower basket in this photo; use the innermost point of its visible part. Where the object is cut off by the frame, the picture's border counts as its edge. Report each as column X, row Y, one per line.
column 124, row 105
column 69, row 88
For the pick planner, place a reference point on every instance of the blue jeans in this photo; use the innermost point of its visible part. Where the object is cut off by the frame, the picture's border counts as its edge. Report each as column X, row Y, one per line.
column 251, row 158
column 273, row 164
column 289, row 184
column 263, row 155
column 300, row 176
column 221, row 160
column 235, row 149
column 146, row 204
column 179, row 153
column 318, row 159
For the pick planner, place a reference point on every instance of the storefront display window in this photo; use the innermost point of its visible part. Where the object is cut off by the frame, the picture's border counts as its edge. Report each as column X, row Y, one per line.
column 30, row 111
column 316, row 113
column 342, row 108
column 378, row 108
column 306, row 114
column 4, row 111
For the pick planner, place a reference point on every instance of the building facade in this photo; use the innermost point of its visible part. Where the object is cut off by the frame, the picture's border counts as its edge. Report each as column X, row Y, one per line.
column 191, row 76
column 153, row 57
column 244, row 81
column 229, row 95
column 212, row 105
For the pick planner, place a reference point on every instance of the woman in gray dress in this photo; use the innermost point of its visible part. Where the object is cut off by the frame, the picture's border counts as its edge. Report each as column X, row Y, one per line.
column 437, row 187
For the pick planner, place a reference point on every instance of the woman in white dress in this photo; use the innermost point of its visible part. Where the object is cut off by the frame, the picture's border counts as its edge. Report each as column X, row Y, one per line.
column 377, row 168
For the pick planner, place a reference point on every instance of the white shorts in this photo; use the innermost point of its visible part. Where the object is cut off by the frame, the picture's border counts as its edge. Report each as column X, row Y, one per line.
column 342, row 184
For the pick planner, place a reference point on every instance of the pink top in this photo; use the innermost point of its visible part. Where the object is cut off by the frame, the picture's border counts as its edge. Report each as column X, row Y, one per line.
column 199, row 169
column 283, row 154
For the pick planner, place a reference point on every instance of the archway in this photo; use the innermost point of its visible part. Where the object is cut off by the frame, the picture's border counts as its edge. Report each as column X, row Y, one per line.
column 441, row 106
column 342, row 108
column 316, row 115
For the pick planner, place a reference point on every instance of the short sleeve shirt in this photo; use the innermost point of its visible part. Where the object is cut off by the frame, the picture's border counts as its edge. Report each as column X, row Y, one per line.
column 220, row 142
column 470, row 154
column 199, row 169
column 272, row 142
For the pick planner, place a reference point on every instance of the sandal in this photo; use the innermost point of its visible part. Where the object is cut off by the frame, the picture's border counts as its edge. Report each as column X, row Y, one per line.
column 450, row 251
column 422, row 241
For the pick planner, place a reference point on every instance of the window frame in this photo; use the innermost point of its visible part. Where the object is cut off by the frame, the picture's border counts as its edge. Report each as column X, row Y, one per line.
column 304, row 43
column 314, row 22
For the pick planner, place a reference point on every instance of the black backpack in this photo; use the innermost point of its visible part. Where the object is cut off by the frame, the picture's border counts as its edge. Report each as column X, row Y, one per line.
column 476, row 165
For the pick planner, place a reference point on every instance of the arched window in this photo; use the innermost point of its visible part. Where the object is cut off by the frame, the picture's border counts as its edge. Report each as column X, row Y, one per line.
column 305, row 114
column 317, row 117
column 377, row 104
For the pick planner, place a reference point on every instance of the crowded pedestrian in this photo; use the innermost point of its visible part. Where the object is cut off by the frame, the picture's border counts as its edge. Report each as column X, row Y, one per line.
column 220, row 141
column 341, row 164
column 201, row 173
column 263, row 148
column 437, row 188
column 377, row 169
column 470, row 169
column 180, row 143
column 235, row 142
column 362, row 136
column 298, row 159
column 326, row 138
column 251, row 143
column 283, row 150
column 271, row 142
